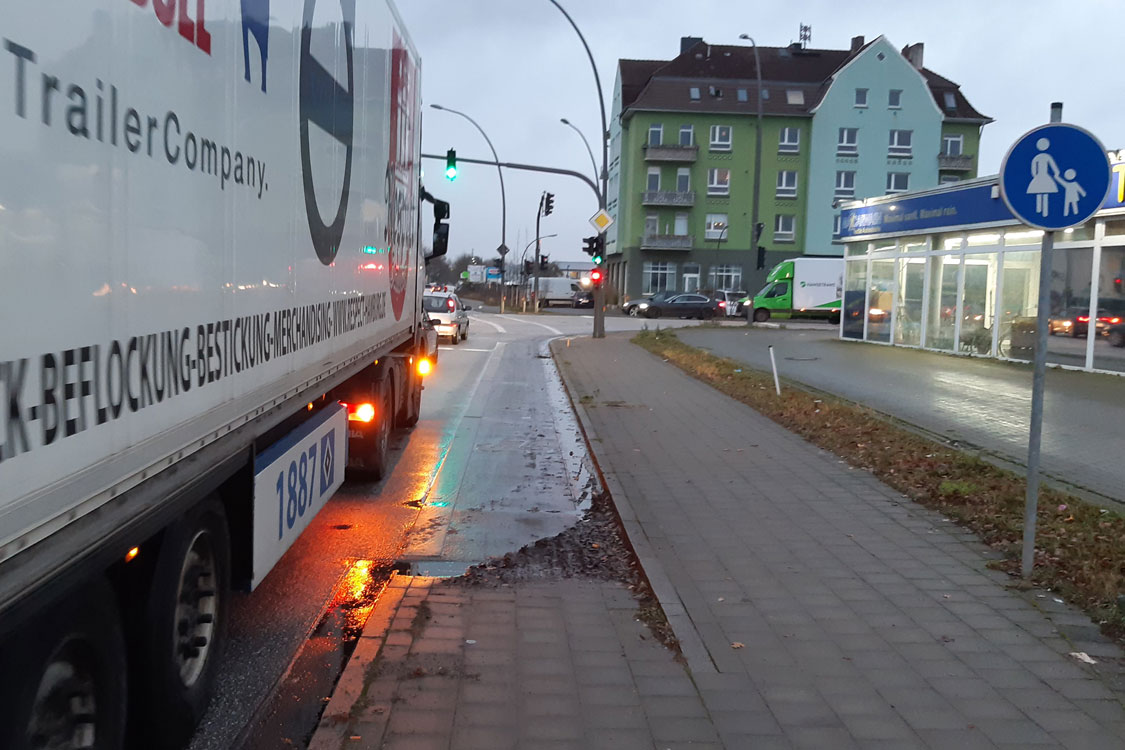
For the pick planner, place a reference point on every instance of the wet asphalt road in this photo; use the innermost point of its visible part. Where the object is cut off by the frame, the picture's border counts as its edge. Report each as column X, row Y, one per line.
column 488, row 469
column 977, row 402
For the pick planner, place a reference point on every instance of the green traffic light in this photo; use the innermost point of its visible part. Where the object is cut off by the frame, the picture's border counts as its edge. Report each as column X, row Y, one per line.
column 451, row 173
column 598, row 260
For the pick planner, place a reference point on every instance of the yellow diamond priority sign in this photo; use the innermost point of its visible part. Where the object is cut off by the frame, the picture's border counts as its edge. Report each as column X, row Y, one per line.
column 601, row 221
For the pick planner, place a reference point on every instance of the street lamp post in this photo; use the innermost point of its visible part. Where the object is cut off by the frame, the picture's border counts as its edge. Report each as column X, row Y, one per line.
column 754, row 238
column 582, row 135
column 599, row 291
column 503, row 199
column 524, row 254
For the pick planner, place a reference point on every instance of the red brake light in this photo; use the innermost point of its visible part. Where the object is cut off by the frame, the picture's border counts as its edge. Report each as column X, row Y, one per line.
column 1083, row 318
column 449, row 303
column 359, row 412
column 1115, row 321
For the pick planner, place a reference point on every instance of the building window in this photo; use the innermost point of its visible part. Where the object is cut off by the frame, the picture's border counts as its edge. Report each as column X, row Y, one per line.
column 658, row 276
column 861, row 97
column 837, row 224
column 691, row 277
column 694, row 93
column 848, row 142
column 894, row 99
column 950, row 100
column 952, row 145
column 784, row 228
column 655, row 135
column 687, row 135
column 947, row 179
column 680, row 227
column 683, row 180
column 653, row 179
column 715, row 91
column 726, row 277
column 900, row 144
column 795, row 96
column 787, row 183
column 720, row 137
column 742, row 95
column 716, row 228
column 845, row 184
column 898, row 182
column 718, row 182
column 652, row 225
column 789, row 141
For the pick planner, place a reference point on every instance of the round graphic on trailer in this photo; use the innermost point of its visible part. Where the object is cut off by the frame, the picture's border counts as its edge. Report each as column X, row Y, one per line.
column 402, row 216
column 328, row 105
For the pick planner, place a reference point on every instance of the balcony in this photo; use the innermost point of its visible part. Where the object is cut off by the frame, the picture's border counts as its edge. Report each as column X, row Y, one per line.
column 666, row 242
column 955, row 163
column 668, row 198
column 683, row 154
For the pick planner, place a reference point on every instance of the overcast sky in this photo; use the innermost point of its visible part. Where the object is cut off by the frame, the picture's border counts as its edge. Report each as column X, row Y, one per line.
column 516, row 67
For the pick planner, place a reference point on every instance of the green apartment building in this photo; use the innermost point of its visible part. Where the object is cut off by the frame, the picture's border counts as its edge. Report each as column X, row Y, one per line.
column 836, row 125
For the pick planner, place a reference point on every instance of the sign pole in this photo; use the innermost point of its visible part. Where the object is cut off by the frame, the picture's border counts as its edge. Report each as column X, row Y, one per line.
column 1038, row 385
column 1038, row 382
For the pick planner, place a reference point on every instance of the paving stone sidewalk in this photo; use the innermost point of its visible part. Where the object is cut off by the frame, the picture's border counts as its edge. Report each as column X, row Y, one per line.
column 554, row 664
column 826, row 610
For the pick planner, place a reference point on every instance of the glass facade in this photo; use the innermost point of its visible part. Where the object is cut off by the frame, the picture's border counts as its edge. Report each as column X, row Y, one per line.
column 976, row 293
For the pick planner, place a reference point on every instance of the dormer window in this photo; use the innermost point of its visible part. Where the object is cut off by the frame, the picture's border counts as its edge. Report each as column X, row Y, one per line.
column 950, row 100
column 694, row 93
column 795, row 96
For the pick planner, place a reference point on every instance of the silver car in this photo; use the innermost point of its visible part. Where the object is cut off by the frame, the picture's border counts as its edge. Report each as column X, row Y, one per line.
column 449, row 314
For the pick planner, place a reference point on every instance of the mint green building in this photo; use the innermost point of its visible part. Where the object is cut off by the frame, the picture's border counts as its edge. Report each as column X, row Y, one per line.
column 682, row 144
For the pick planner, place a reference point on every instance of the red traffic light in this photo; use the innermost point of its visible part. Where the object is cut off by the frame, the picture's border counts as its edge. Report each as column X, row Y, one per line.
column 596, row 276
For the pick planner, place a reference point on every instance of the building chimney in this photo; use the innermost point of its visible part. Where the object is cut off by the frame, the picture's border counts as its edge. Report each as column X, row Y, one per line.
column 857, row 42
column 687, row 42
column 913, row 53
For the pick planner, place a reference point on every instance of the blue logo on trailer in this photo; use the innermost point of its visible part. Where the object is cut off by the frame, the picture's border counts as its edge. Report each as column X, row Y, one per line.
column 256, row 24
column 328, row 459
column 1055, row 176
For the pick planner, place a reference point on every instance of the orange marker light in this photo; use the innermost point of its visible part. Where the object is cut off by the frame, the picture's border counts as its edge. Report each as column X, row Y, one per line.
column 363, row 413
column 424, row 366
column 131, row 554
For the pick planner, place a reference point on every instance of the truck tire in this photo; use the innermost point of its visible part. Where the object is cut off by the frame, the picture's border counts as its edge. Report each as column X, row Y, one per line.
column 185, row 625
column 761, row 315
column 411, row 406
column 64, row 684
column 376, row 462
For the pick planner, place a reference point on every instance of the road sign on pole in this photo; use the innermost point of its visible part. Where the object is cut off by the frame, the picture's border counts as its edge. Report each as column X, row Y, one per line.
column 502, row 250
column 1055, row 176
column 601, row 221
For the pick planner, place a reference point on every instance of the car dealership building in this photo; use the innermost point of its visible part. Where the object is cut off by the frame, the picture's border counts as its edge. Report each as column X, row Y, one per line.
column 951, row 269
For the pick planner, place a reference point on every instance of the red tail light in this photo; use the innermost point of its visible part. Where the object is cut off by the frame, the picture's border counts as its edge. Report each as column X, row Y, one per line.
column 1083, row 318
column 722, row 304
column 359, row 412
column 449, row 303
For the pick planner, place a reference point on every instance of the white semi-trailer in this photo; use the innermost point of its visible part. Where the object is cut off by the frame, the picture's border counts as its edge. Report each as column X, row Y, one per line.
column 209, row 308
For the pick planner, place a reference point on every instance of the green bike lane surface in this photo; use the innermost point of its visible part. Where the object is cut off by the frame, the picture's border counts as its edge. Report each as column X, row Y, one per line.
column 979, row 403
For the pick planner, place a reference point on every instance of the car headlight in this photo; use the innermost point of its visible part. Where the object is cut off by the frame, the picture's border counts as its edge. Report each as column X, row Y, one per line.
column 643, row 305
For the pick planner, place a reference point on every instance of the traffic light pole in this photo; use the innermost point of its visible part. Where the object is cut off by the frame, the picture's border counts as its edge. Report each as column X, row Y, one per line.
column 538, row 253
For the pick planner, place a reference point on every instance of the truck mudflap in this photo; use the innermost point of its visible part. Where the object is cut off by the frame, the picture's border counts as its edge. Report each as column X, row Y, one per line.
column 293, row 480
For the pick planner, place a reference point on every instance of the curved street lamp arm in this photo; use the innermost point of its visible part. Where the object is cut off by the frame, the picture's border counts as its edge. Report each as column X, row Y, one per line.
column 499, row 172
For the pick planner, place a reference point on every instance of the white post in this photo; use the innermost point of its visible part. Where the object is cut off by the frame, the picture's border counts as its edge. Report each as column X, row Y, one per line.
column 773, row 364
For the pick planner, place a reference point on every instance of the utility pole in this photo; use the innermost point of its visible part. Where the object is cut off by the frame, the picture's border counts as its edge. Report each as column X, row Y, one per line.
column 538, row 250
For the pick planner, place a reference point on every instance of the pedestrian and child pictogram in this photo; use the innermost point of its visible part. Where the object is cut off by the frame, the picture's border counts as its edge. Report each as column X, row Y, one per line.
column 1055, row 176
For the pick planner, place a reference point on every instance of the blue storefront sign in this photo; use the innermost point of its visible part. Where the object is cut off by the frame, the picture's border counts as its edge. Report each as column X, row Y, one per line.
column 1055, row 176
column 959, row 207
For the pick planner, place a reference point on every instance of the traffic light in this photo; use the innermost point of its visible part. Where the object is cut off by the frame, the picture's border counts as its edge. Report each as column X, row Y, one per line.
column 528, row 267
column 761, row 258
column 451, row 165
column 596, row 277
column 599, row 250
column 548, row 204
column 542, row 262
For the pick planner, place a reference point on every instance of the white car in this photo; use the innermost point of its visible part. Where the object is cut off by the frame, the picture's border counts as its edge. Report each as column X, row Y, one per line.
column 449, row 314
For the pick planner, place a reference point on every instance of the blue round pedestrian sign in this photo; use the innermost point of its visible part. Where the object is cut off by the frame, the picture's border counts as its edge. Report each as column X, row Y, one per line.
column 1055, row 176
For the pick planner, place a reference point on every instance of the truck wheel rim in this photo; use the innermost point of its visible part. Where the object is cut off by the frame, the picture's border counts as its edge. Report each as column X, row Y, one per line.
column 64, row 715
column 197, row 606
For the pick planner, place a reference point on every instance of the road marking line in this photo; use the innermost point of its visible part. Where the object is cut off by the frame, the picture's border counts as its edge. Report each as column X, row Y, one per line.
column 499, row 328
column 461, row 349
column 555, row 331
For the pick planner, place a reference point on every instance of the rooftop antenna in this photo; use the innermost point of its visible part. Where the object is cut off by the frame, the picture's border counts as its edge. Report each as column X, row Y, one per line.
column 806, row 35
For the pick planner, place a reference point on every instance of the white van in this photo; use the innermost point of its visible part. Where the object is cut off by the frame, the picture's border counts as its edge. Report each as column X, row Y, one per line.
column 557, row 290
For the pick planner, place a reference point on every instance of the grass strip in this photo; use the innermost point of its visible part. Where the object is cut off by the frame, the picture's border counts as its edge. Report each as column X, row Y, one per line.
column 1080, row 548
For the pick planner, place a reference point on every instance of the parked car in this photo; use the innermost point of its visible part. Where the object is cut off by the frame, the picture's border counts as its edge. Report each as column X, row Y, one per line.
column 583, row 298
column 1116, row 334
column 637, row 307
column 729, row 301
column 684, row 306
column 1076, row 322
column 450, row 315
